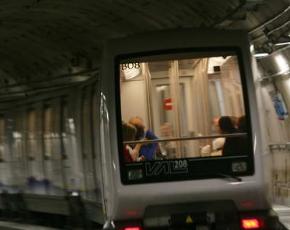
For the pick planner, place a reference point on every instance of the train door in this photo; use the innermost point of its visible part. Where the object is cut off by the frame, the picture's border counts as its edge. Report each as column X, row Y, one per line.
column 33, row 149
column 169, row 88
column 87, row 145
column 71, row 168
column 171, row 104
column 17, row 159
column 5, row 170
column 2, row 152
column 71, row 146
column 53, row 166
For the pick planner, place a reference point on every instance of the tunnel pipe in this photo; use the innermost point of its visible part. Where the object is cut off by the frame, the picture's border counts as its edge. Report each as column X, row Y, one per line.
column 64, row 76
column 229, row 15
column 271, row 31
column 269, row 21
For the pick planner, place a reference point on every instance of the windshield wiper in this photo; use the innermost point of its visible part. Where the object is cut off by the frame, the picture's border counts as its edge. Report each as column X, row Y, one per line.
column 228, row 176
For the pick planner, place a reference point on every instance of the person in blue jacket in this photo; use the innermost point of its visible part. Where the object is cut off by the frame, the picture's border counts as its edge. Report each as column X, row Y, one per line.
column 146, row 150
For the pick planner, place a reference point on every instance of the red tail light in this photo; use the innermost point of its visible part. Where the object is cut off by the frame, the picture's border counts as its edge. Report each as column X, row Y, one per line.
column 252, row 223
column 132, row 228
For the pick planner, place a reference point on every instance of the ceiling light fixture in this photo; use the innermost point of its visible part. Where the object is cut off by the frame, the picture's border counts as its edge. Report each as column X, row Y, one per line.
column 131, row 73
column 261, row 55
column 282, row 41
column 252, row 48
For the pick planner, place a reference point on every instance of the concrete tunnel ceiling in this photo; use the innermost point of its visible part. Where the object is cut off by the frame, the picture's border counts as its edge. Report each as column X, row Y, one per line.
column 41, row 40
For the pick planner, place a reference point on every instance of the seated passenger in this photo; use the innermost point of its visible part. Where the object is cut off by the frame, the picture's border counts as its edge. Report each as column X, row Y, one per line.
column 146, row 150
column 217, row 146
column 242, row 125
column 205, row 151
column 129, row 132
column 217, row 143
column 231, row 145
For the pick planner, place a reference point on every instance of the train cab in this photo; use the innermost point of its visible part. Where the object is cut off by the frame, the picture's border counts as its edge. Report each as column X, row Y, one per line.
column 180, row 133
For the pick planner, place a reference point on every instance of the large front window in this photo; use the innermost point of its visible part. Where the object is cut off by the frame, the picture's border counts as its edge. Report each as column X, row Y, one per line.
column 179, row 110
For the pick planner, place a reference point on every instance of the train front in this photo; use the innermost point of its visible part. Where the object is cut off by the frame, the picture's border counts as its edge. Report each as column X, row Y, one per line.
column 180, row 134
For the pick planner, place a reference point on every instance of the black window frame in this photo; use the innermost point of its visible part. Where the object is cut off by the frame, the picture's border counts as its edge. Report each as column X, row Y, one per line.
column 220, row 166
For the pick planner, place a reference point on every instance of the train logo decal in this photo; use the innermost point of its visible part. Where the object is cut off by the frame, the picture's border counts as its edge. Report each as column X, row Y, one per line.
column 166, row 167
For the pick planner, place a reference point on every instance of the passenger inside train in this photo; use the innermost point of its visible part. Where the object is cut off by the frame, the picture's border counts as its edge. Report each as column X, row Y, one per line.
column 178, row 98
column 146, row 151
column 217, row 143
column 231, row 144
column 131, row 153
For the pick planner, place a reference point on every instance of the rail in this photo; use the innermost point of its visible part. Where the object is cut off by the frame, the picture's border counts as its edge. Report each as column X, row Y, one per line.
column 185, row 138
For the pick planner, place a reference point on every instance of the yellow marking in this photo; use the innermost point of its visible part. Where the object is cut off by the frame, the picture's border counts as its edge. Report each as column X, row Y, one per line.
column 188, row 220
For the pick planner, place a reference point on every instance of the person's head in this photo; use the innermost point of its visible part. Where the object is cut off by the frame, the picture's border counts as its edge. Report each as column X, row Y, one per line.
column 129, row 132
column 226, row 124
column 139, row 125
column 242, row 126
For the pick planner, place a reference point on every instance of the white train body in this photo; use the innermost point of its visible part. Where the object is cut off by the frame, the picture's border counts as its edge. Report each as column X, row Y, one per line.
column 70, row 141
column 137, row 201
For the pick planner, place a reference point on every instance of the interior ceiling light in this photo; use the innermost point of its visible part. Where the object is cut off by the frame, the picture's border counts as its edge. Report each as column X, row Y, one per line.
column 260, row 55
column 131, row 73
column 252, row 48
column 263, row 51
column 282, row 43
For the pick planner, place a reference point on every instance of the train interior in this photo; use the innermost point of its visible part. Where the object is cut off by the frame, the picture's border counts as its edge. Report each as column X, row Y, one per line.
column 185, row 98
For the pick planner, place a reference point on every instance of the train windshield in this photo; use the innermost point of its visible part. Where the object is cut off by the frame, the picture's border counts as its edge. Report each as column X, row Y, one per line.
column 183, row 115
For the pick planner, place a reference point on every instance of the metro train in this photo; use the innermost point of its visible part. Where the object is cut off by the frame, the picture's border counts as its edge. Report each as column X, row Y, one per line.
column 72, row 142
